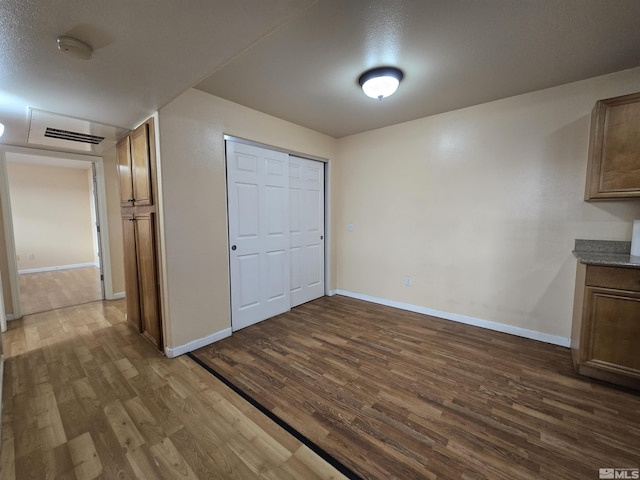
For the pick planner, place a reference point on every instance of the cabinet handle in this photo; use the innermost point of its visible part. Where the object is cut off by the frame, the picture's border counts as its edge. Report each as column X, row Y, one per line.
column 132, row 219
column 131, row 200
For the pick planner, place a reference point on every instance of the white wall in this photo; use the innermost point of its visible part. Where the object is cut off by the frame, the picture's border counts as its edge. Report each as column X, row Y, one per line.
column 192, row 169
column 480, row 206
column 51, row 210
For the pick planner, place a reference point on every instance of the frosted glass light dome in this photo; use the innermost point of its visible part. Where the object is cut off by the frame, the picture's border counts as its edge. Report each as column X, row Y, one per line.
column 380, row 82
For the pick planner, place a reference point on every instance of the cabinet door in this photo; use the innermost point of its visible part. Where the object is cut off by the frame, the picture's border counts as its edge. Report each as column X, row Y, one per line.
column 149, row 308
column 614, row 149
column 613, row 330
column 123, row 150
column 141, row 165
column 131, row 271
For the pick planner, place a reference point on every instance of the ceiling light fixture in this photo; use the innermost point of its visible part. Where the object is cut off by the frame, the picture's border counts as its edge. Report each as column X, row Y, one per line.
column 380, row 82
column 1, row 129
column 74, row 47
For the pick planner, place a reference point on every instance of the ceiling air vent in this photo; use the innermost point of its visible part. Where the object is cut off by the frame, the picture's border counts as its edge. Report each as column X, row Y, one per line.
column 73, row 136
column 71, row 133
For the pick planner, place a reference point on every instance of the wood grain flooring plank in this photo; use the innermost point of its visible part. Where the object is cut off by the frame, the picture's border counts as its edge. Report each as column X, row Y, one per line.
column 114, row 461
column 144, row 464
column 196, row 454
column 171, row 462
column 145, row 423
column 108, row 406
column 84, row 456
column 393, row 394
column 58, row 463
column 48, row 417
column 123, row 426
column 30, row 466
column 7, row 455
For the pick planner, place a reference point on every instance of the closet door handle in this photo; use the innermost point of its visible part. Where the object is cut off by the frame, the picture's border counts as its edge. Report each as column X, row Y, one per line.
column 233, row 247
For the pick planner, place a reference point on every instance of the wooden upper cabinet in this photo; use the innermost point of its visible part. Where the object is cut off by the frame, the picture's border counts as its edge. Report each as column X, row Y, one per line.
column 140, row 161
column 134, row 168
column 614, row 149
column 123, row 150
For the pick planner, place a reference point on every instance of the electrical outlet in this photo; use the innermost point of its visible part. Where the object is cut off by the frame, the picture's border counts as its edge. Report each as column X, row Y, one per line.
column 31, row 256
column 350, row 227
column 408, row 281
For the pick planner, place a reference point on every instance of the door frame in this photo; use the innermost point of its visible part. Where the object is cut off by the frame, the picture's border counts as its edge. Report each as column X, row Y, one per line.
column 328, row 272
column 101, row 198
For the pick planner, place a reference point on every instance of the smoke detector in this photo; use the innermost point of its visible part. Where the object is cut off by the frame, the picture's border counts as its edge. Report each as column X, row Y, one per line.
column 74, row 48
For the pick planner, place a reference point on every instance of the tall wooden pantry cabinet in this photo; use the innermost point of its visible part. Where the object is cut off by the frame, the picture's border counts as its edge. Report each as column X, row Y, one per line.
column 137, row 174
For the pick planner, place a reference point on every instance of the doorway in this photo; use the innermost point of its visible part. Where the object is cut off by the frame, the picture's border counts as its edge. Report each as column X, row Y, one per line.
column 55, row 224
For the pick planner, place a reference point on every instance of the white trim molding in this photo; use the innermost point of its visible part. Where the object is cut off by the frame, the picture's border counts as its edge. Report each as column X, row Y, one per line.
column 117, row 296
column 173, row 352
column 9, row 317
column 477, row 322
column 59, row 267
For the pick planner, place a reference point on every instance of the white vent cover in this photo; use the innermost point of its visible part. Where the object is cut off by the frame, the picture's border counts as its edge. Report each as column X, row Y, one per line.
column 70, row 133
column 73, row 136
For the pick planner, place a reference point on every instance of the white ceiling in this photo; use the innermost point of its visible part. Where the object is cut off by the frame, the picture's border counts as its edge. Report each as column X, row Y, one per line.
column 145, row 54
column 454, row 53
column 300, row 59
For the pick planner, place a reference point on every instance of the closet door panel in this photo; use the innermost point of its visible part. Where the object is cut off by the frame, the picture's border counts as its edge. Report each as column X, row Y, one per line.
column 258, row 207
column 306, row 190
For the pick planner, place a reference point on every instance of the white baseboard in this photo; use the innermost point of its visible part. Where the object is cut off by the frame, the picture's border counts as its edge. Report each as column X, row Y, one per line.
column 10, row 317
column 173, row 352
column 478, row 322
column 331, row 293
column 117, row 296
column 59, row 267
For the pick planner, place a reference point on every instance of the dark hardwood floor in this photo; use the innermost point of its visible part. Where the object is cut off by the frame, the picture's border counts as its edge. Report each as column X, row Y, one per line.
column 398, row 395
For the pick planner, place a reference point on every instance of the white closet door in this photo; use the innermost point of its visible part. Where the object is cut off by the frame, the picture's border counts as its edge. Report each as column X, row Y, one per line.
column 258, row 192
column 306, row 227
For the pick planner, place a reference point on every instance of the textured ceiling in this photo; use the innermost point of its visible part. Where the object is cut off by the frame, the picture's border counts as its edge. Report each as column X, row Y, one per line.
column 453, row 53
column 300, row 59
column 145, row 54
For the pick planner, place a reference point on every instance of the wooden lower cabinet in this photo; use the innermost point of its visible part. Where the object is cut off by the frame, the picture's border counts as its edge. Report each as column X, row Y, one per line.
column 131, row 292
column 605, row 340
column 141, row 290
